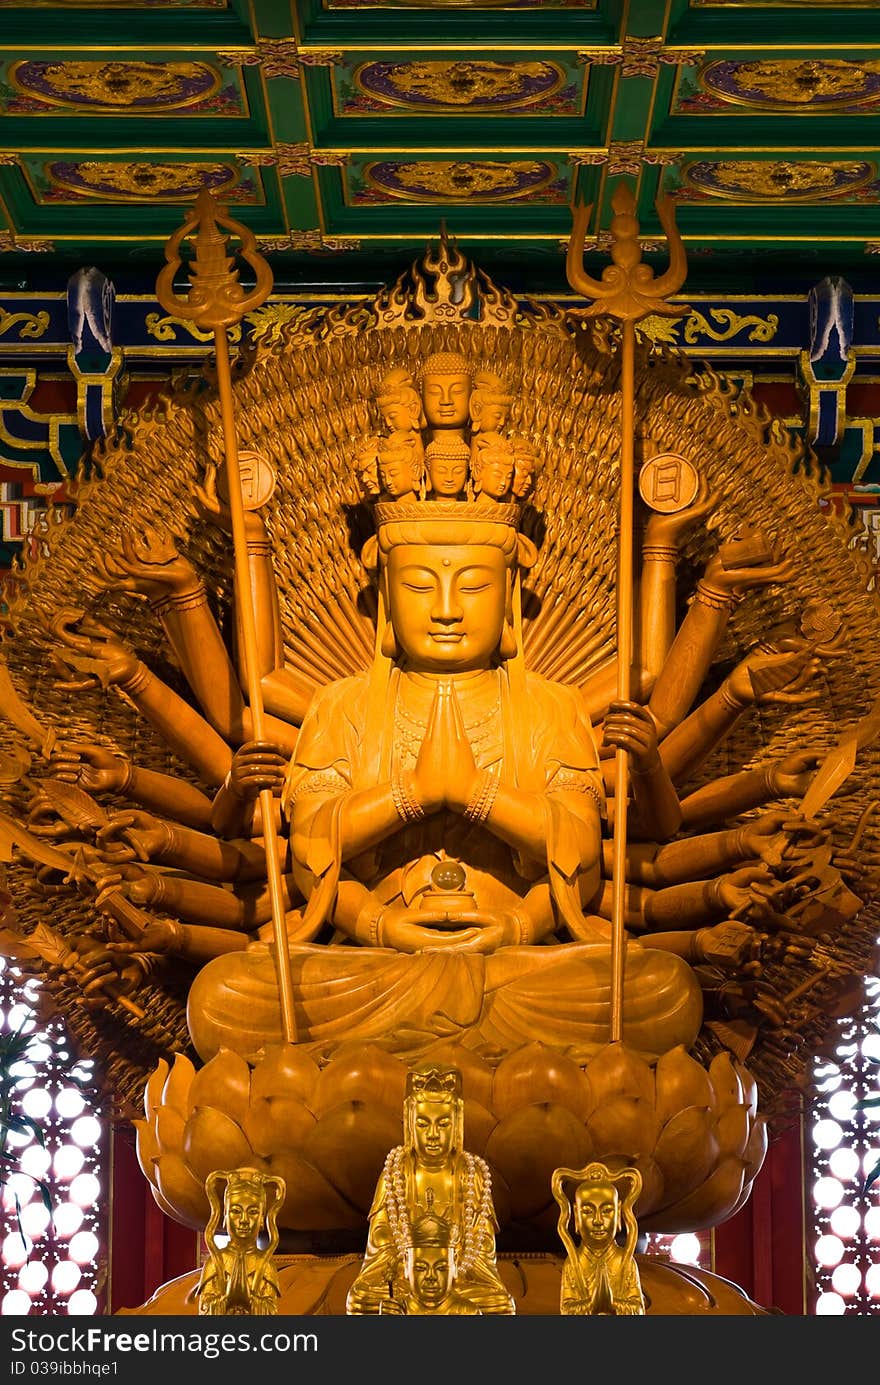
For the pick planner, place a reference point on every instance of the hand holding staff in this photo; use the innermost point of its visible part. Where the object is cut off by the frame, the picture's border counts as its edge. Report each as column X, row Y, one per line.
column 216, row 300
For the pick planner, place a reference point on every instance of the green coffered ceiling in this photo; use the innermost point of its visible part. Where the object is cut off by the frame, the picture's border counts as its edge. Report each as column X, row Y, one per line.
column 344, row 132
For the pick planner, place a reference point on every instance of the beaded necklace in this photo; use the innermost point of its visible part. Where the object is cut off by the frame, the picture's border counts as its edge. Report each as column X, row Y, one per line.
column 477, row 1210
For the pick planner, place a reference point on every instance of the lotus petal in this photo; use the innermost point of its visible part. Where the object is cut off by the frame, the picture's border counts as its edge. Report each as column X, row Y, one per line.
column 312, row 1204
column 528, row 1145
column 185, row 1219
column 476, row 1074
column 625, row 1127
column 653, row 1193
column 154, row 1087
column 536, row 1073
column 618, row 1071
column 168, row 1130
column 369, row 1075
column 181, row 1191
column 687, row 1152
column 278, row 1124
column 750, row 1089
column 725, row 1080
column 146, row 1145
column 732, row 1130
column 500, row 1197
column 348, row 1146
column 756, row 1149
column 711, row 1203
column 175, row 1092
column 213, row 1141
column 225, row 1083
column 681, row 1082
column 478, row 1126
column 284, row 1070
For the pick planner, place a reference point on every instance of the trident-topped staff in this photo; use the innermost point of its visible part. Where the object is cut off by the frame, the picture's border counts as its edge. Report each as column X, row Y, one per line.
column 216, row 301
column 627, row 291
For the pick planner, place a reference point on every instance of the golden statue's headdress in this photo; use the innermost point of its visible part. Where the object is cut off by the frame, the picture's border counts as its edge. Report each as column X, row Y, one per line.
column 431, row 1230
column 434, row 1084
column 440, row 1086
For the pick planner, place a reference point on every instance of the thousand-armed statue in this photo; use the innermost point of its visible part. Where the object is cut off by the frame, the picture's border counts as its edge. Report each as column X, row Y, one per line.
column 427, row 590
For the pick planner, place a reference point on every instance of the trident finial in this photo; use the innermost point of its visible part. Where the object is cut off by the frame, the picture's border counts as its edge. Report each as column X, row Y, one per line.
column 216, row 298
column 628, row 289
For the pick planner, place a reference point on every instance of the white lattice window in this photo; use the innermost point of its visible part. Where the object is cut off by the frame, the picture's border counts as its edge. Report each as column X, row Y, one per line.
column 51, row 1262
column 845, row 1147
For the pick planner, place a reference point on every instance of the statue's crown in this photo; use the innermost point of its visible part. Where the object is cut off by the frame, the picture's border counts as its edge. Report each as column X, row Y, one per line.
column 243, row 1179
column 431, row 1230
column 460, row 467
column 434, row 1084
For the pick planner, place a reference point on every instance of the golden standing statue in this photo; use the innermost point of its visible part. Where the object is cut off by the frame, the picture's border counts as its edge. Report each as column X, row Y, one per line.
column 240, row 1278
column 600, row 1277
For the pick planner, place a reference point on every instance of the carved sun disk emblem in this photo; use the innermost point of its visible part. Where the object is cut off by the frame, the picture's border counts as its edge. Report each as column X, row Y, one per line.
column 668, row 483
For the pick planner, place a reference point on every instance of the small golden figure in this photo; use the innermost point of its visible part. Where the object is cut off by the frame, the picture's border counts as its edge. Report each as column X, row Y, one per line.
column 600, row 1277
column 431, row 1273
column 239, row 1279
column 427, row 1179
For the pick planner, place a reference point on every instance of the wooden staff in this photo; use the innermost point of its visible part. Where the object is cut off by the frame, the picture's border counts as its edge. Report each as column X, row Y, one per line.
column 216, row 301
column 627, row 291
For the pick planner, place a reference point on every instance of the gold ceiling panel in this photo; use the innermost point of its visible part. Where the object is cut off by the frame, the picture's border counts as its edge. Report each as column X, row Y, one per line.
column 783, row 180
column 72, row 180
column 464, row 86
column 793, row 84
column 118, row 85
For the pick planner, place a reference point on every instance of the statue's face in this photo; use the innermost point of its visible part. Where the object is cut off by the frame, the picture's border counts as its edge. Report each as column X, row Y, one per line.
column 522, row 480
column 244, row 1215
column 447, row 604
column 433, row 1131
column 448, row 475
column 496, row 474
column 401, row 410
column 430, row 1274
column 596, row 1211
column 491, row 413
column 445, row 400
column 397, row 467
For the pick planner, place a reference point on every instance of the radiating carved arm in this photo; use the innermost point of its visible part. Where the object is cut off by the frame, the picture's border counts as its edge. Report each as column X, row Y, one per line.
column 105, row 658
column 738, row 793
column 197, row 902
column 146, row 838
column 695, row 644
column 98, row 770
column 760, row 677
column 236, row 811
column 693, row 904
column 661, row 545
column 701, row 857
column 286, row 695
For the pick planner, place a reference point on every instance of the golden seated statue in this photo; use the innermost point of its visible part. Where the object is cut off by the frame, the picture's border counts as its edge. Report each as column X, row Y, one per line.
column 432, row 1196
column 445, row 814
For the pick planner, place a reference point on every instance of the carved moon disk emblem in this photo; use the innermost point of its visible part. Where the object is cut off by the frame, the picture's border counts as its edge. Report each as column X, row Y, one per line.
column 668, row 483
column 257, row 479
